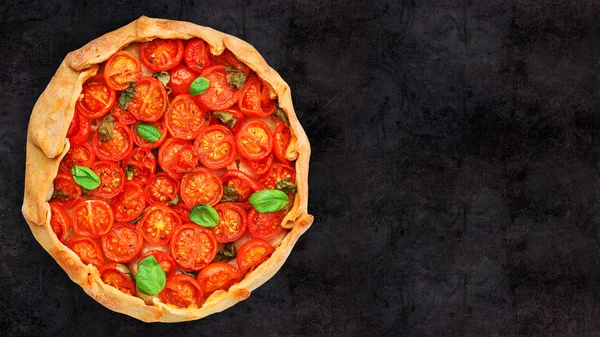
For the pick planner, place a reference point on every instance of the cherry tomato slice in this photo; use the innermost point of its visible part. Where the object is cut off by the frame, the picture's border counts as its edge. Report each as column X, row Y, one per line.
column 138, row 174
column 252, row 253
column 219, row 94
column 88, row 251
column 161, row 189
column 164, row 259
column 141, row 142
column 112, row 179
column 122, row 243
column 66, row 191
column 120, row 69
column 254, row 140
column 157, row 224
column 96, row 98
column 259, row 167
column 180, row 80
column 236, row 113
column 150, row 100
column 264, row 225
column 182, row 211
column 193, row 247
column 112, row 276
column 243, row 184
column 78, row 154
column 168, row 153
column 139, row 165
column 161, row 55
column 118, row 147
column 59, row 221
column 281, row 141
column 228, row 59
column 252, row 102
column 197, row 56
column 83, row 129
column 183, row 291
column 201, row 187
column 186, row 160
column 215, row 146
column 130, row 203
column 277, row 173
column 217, row 275
column 232, row 222
column 92, row 218
column 184, row 117
column 122, row 116
column 74, row 126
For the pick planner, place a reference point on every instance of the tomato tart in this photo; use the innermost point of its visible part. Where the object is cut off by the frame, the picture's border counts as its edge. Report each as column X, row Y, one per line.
column 167, row 172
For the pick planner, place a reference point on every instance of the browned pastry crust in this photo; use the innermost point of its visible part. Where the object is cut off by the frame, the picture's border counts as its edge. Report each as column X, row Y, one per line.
column 47, row 144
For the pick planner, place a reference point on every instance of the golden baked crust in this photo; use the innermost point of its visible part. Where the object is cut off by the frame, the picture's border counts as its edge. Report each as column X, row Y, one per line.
column 47, row 144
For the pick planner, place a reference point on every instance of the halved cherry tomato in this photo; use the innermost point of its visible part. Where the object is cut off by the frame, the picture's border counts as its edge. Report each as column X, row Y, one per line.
column 228, row 59
column 138, row 174
column 92, row 218
column 141, row 142
column 183, row 291
column 236, row 113
column 158, row 223
column 215, row 146
column 161, row 189
column 88, row 251
column 217, row 275
column 232, row 222
column 201, row 187
column 120, row 69
column 112, row 179
column 254, row 140
column 197, row 56
column 78, row 154
column 243, row 184
column 74, row 126
column 112, row 276
column 184, row 117
column 277, row 173
column 116, row 148
column 281, row 141
column 182, row 211
column 219, row 94
column 252, row 253
column 96, row 98
column 139, row 165
column 168, row 153
column 130, row 203
column 66, row 191
column 164, row 259
column 264, row 225
column 59, row 221
column 150, row 100
column 122, row 243
column 83, row 129
column 252, row 102
column 260, row 166
column 186, row 160
column 122, row 116
column 161, row 55
column 180, row 80
column 193, row 247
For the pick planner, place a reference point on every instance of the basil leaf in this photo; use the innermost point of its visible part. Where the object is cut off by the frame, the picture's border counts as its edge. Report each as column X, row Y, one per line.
column 85, row 177
column 204, row 215
column 269, row 201
column 163, row 77
column 226, row 118
column 126, row 96
column 199, row 86
column 148, row 131
column 286, row 186
column 150, row 279
column 235, row 78
column 227, row 254
column 106, row 129
column 229, row 194
column 281, row 114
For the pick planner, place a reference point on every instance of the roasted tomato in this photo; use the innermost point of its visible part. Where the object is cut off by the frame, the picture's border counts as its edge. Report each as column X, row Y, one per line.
column 193, row 247
column 161, row 189
column 197, row 56
column 130, row 203
column 184, row 117
column 150, row 100
column 158, row 223
column 183, row 291
column 164, row 259
column 83, row 129
column 92, row 218
column 120, row 69
column 228, row 59
column 78, row 154
column 88, row 251
column 122, row 243
column 180, row 80
column 122, row 116
column 254, row 140
column 116, row 148
column 264, row 225
column 186, row 160
column 66, row 191
column 117, row 276
column 277, row 173
column 161, row 55
column 168, row 155
column 217, row 275
column 252, row 253
column 215, row 146
column 59, row 221
column 201, row 187
column 139, row 166
column 182, row 211
column 281, row 141
column 232, row 222
column 112, row 179
column 219, row 94
column 239, row 119
column 96, row 98
column 259, row 167
column 252, row 103
column 74, row 125
column 243, row 184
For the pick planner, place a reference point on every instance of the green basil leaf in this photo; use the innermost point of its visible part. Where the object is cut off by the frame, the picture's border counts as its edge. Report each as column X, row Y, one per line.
column 163, row 77
column 228, row 253
column 199, row 86
column 204, row 215
column 126, row 96
column 148, row 131
column 281, row 114
column 226, row 118
column 286, row 186
column 150, row 279
column 85, row 177
column 106, row 129
column 269, row 201
column 235, row 78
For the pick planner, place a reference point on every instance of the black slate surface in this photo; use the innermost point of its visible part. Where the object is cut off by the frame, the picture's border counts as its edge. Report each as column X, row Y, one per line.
column 454, row 177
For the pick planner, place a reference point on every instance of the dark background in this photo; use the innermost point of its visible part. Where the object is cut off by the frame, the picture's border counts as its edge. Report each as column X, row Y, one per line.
column 454, row 176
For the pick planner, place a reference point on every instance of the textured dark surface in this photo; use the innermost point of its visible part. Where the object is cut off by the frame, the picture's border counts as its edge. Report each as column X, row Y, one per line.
column 454, row 176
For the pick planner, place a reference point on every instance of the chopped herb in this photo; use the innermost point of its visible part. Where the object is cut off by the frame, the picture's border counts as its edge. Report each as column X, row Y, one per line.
column 228, row 253
column 281, row 114
column 235, row 78
column 126, row 96
column 229, row 194
column 106, row 129
column 286, row 186
column 226, row 118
